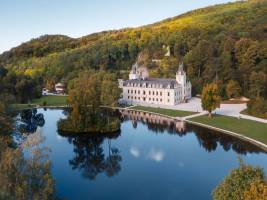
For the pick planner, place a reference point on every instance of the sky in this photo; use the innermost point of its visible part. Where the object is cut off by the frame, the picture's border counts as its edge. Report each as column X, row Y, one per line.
column 22, row 20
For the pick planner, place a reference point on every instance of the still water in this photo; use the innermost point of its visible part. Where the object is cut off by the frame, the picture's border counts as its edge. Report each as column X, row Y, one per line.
column 151, row 158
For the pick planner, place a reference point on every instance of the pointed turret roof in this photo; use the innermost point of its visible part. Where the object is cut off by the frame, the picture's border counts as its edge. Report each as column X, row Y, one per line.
column 181, row 68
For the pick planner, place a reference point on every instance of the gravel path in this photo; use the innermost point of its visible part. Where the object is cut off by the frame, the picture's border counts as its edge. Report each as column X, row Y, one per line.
column 194, row 105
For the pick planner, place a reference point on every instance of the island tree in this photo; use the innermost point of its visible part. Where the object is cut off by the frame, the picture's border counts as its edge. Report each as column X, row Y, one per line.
column 210, row 98
column 88, row 93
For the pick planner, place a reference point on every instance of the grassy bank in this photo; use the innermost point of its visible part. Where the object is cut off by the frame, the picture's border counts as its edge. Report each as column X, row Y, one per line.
column 168, row 112
column 51, row 100
column 249, row 128
column 45, row 100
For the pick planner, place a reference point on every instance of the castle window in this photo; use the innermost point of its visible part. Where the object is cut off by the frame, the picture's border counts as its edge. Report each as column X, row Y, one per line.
column 160, row 93
column 149, row 92
column 153, row 92
column 157, row 93
column 160, row 100
column 149, row 99
column 168, row 100
column 168, row 94
column 139, row 98
column 144, row 92
column 138, row 91
column 135, row 91
column 128, row 91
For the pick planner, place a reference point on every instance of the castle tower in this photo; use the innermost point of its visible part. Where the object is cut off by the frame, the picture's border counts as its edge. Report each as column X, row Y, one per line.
column 134, row 73
column 181, row 75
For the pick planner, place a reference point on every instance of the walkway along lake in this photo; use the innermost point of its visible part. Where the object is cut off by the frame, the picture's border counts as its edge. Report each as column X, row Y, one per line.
column 151, row 158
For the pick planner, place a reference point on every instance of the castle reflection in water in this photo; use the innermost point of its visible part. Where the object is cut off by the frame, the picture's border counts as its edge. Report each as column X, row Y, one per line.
column 208, row 139
column 155, row 122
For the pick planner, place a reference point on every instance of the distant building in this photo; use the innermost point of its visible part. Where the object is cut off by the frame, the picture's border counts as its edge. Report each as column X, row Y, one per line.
column 142, row 89
column 60, row 88
column 45, row 91
column 168, row 51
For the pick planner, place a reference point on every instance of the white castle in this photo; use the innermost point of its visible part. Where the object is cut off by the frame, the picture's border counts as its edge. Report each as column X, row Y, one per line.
column 142, row 89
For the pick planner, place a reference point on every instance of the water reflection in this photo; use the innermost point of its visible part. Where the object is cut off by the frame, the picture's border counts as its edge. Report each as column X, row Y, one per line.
column 208, row 139
column 158, row 124
column 89, row 155
column 29, row 120
column 158, row 159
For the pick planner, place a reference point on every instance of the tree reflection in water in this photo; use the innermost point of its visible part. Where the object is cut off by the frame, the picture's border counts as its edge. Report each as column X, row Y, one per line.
column 90, row 157
column 208, row 139
column 30, row 120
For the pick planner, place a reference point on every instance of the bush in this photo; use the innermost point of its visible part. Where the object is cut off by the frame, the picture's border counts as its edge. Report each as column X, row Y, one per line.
column 44, row 103
column 235, row 185
column 257, row 191
column 257, row 107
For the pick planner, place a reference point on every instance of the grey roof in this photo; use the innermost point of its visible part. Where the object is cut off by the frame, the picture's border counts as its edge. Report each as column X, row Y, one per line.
column 156, row 82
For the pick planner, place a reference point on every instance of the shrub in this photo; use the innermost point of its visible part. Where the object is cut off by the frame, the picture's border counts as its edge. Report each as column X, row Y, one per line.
column 238, row 182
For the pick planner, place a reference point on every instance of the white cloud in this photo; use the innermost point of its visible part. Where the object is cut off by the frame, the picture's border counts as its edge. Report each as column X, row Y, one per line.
column 156, row 155
column 135, row 152
column 181, row 164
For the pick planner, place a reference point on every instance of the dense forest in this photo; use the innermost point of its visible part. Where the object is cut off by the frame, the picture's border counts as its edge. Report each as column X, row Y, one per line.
column 224, row 43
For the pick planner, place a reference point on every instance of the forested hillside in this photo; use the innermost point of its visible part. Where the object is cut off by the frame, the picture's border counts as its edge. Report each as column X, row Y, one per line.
column 223, row 43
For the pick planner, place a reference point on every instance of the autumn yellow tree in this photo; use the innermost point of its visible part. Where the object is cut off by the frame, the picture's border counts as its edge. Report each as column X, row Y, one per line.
column 210, row 98
column 257, row 190
column 233, row 89
column 244, row 183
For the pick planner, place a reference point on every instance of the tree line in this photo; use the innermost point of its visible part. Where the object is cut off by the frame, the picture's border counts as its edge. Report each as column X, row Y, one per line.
column 224, row 43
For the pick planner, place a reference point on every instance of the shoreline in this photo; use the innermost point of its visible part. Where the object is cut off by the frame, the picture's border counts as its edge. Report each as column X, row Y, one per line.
column 234, row 134
column 237, row 135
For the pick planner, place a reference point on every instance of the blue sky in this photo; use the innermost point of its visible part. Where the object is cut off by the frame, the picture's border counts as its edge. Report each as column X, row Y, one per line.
column 22, row 20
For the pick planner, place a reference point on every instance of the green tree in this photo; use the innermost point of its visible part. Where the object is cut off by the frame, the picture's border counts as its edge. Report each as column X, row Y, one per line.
column 257, row 84
column 5, row 121
column 210, row 98
column 233, row 89
column 257, row 107
column 238, row 182
column 110, row 93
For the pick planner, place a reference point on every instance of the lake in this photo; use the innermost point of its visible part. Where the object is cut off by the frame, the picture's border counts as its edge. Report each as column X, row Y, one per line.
column 150, row 158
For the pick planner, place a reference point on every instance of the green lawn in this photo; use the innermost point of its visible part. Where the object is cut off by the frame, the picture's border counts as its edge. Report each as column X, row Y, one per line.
column 51, row 100
column 168, row 112
column 249, row 128
column 22, row 106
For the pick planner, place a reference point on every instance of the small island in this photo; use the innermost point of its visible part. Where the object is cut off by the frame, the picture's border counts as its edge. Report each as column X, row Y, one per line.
column 90, row 97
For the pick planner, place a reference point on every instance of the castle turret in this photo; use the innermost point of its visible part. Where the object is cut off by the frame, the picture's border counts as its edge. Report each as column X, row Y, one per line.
column 138, row 72
column 181, row 75
column 134, row 73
